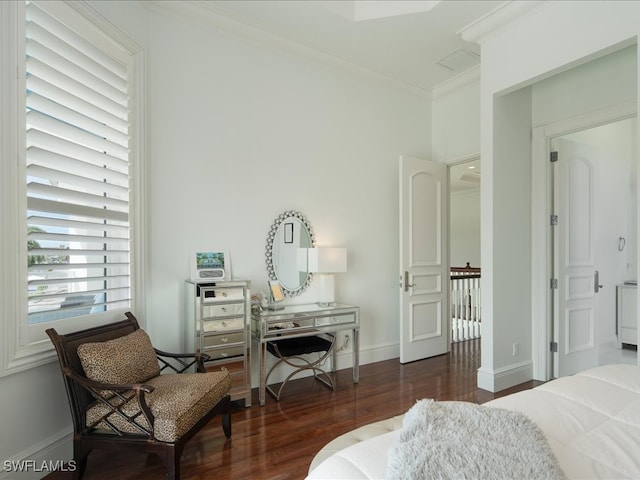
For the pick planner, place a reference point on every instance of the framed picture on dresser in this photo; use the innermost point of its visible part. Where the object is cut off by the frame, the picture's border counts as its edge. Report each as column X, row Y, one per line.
column 210, row 265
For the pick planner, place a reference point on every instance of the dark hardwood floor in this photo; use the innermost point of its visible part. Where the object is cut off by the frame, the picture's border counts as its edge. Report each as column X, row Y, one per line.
column 278, row 441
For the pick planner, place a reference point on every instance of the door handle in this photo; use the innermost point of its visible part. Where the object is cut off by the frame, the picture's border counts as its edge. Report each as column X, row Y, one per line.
column 406, row 282
column 596, row 282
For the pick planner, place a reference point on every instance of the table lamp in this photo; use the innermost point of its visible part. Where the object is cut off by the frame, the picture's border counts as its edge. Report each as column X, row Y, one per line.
column 325, row 261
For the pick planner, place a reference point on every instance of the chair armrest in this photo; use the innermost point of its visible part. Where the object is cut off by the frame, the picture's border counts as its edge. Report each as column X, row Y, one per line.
column 116, row 387
column 114, row 397
column 198, row 359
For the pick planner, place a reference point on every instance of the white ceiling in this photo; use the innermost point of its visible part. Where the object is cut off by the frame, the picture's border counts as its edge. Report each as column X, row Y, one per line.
column 402, row 40
column 465, row 177
column 378, row 36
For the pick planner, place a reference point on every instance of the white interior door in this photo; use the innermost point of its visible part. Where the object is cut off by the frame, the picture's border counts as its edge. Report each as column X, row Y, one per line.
column 424, row 259
column 575, row 264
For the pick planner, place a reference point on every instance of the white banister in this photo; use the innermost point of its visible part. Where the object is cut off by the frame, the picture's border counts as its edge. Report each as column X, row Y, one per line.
column 465, row 303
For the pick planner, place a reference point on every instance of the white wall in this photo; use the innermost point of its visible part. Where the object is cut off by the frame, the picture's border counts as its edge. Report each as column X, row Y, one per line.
column 591, row 86
column 456, row 118
column 237, row 132
column 464, row 228
column 506, row 200
column 550, row 39
column 456, row 137
column 35, row 417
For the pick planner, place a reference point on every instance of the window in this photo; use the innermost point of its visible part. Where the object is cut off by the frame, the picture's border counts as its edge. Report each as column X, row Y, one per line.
column 78, row 174
column 77, row 171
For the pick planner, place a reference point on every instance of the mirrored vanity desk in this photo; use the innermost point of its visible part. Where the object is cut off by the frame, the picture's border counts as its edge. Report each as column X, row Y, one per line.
column 300, row 321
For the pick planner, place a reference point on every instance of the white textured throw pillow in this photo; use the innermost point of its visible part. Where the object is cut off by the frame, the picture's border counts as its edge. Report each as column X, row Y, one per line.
column 461, row 440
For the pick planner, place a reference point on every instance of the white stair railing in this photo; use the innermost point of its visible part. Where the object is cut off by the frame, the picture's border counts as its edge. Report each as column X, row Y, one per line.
column 465, row 303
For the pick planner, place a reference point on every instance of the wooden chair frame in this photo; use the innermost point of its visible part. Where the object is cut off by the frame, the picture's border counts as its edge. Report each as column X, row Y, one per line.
column 82, row 392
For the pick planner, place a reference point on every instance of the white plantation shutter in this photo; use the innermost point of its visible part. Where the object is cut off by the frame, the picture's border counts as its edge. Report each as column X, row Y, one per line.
column 77, row 173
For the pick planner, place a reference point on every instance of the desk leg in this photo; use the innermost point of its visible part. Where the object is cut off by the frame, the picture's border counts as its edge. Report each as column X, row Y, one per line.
column 263, row 359
column 356, row 355
column 334, row 353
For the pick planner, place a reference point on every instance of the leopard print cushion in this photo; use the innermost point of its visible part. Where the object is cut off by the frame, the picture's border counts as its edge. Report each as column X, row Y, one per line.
column 177, row 403
column 127, row 359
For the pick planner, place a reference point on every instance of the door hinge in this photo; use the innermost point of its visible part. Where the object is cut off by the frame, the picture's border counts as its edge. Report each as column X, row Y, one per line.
column 553, row 156
column 553, row 347
column 554, row 220
column 554, row 283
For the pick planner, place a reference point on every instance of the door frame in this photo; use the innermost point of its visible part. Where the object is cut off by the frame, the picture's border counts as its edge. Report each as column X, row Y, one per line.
column 541, row 238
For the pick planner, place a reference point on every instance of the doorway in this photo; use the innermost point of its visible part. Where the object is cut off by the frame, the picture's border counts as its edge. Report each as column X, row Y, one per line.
column 594, row 243
column 464, row 213
column 464, row 246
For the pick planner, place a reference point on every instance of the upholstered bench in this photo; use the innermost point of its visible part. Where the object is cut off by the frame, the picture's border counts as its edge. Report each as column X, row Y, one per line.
column 290, row 351
column 356, row 436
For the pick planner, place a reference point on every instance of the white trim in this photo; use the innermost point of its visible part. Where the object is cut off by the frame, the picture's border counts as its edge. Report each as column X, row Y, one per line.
column 373, row 354
column 16, row 357
column 460, row 160
column 112, row 34
column 541, row 209
column 504, row 14
column 456, row 83
column 10, row 291
column 505, row 377
column 56, row 448
column 209, row 14
column 138, row 201
column 540, row 245
column 344, row 359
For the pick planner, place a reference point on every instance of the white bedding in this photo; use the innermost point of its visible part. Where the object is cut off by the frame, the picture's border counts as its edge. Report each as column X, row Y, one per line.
column 591, row 421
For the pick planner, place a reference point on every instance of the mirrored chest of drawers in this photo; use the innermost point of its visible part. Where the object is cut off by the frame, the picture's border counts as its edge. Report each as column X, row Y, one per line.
column 217, row 324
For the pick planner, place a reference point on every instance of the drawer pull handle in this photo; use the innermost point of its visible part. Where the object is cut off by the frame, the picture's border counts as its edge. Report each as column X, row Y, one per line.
column 224, row 294
column 224, row 339
column 224, row 354
column 224, row 309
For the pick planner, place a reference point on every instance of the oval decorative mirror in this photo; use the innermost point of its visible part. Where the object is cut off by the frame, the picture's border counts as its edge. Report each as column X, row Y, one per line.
column 290, row 232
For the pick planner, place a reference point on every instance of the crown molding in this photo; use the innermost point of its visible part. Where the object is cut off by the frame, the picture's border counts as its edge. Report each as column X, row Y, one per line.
column 462, row 80
column 482, row 28
column 207, row 13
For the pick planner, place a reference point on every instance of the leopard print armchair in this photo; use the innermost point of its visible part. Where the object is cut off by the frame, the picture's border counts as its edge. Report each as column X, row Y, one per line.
column 123, row 392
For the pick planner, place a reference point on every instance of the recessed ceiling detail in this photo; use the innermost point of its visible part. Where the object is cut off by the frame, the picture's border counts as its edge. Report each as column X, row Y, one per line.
column 460, row 60
column 402, row 42
column 358, row 10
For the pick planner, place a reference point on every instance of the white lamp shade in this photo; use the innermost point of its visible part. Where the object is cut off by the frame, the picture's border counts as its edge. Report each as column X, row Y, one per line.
column 303, row 260
column 327, row 260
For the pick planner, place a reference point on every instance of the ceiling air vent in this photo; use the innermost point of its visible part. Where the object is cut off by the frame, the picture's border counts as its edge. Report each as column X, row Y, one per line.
column 460, row 60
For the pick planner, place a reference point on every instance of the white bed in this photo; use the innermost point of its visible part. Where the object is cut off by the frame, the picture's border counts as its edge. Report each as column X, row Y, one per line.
column 591, row 421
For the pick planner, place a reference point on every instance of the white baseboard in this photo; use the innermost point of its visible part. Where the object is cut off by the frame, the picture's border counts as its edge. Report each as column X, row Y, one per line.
column 373, row 354
column 344, row 360
column 37, row 461
column 505, row 377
